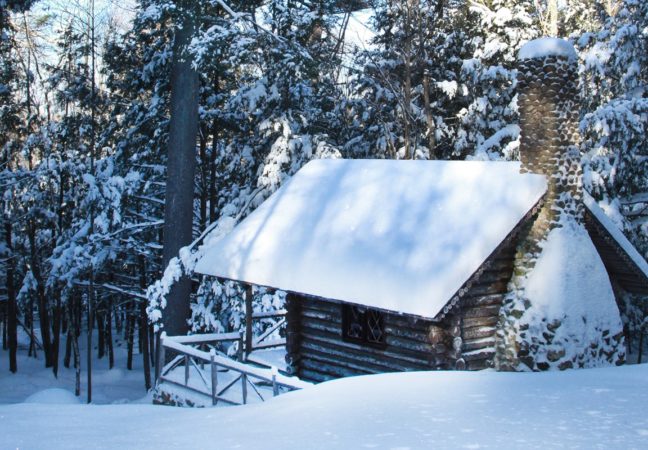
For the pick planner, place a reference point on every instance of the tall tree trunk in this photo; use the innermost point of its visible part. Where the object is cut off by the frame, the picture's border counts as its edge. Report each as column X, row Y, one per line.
column 12, row 310
column 56, row 328
column 43, row 310
column 144, row 326
column 109, row 339
column 178, row 206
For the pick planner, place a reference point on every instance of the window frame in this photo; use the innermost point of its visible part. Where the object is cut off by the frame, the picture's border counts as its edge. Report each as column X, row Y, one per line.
column 362, row 317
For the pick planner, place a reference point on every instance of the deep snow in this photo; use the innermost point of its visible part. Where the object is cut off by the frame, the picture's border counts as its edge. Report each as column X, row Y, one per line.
column 397, row 235
column 596, row 408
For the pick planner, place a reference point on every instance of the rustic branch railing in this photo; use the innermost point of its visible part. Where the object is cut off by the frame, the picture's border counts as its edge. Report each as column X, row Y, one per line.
column 260, row 343
column 236, row 371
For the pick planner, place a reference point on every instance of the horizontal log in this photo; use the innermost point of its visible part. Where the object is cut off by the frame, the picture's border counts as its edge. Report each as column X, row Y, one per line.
column 399, row 356
column 480, row 364
column 491, row 276
column 420, row 336
column 499, row 287
column 476, row 344
column 320, row 325
column 394, row 344
column 319, row 304
column 478, row 332
column 489, row 321
column 482, row 300
column 478, row 354
column 481, row 311
column 321, row 315
column 334, row 372
column 407, row 322
column 326, row 358
column 315, row 376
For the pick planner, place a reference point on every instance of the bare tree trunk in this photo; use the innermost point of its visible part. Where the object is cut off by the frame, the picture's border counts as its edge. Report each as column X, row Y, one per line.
column 178, row 207
column 12, row 310
column 109, row 338
column 56, row 342
column 130, row 331
column 43, row 310
column 101, row 334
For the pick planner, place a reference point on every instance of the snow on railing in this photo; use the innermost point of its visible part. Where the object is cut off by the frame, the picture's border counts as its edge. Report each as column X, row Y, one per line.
column 230, row 370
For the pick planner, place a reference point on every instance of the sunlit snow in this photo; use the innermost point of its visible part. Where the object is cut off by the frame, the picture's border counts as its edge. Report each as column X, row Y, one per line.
column 396, row 235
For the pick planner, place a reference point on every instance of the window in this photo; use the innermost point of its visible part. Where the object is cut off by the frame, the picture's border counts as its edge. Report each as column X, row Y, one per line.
column 363, row 325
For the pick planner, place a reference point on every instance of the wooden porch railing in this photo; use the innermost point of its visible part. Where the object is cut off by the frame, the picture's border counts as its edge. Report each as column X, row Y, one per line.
column 233, row 372
column 261, row 342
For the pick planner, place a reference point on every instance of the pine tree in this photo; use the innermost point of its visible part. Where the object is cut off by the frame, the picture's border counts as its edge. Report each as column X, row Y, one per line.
column 489, row 127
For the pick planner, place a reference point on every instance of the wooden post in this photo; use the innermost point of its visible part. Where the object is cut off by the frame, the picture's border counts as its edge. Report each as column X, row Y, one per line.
column 641, row 338
column 248, row 320
column 160, row 356
column 214, row 376
column 244, row 387
column 186, row 363
column 275, row 388
column 239, row 353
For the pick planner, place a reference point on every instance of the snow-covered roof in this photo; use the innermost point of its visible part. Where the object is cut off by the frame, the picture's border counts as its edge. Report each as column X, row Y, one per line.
column 616, row 233
column 547, row 46
column 397, row 235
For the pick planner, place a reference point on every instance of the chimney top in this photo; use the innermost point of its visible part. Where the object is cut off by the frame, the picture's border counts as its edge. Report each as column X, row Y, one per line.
column 547, row 46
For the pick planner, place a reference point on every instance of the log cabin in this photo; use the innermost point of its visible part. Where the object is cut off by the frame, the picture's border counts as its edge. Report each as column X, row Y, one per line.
column 406, row 265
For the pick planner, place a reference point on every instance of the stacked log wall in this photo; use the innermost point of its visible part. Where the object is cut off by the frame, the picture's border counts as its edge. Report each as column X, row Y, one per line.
column 480, row 309
column 321, row 353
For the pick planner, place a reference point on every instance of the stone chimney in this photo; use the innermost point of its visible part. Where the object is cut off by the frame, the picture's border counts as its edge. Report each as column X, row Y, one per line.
column 530, row 336
column 549, row 105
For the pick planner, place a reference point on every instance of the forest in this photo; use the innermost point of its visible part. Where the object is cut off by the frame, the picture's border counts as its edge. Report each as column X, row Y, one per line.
column 94, row 135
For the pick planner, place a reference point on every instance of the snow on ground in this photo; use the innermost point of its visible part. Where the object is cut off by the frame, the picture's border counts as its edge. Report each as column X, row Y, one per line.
column 118, row 385
column 596, row 408
column 398, row 235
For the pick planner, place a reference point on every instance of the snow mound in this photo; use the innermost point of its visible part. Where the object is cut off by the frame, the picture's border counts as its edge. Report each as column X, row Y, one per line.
column 547, row 46
column 570, row 286
column 53, row 396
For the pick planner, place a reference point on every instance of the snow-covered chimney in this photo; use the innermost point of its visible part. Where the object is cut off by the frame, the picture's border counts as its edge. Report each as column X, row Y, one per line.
column 549, row 105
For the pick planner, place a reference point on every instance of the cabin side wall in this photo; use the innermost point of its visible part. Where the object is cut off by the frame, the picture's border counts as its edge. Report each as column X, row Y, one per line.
column 480, row 310
column 317, row 351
